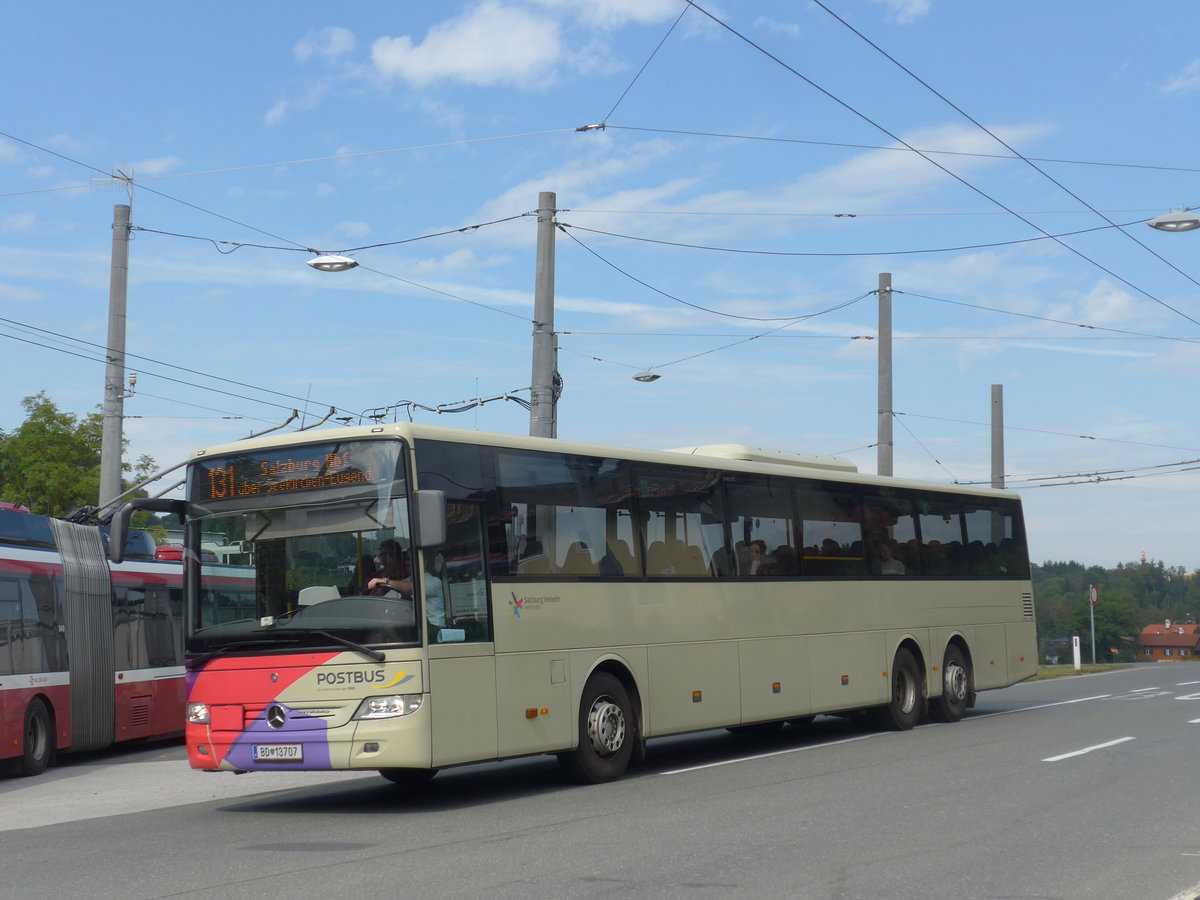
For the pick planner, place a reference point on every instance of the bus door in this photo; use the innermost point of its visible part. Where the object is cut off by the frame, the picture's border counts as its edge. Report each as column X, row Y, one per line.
column 462, row 670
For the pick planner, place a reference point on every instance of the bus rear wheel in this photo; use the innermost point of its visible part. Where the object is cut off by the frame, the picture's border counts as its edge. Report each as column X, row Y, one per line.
column 956, row 687
column 38, row 739
column 410, row 778
column 607, row 732
column 907, row 703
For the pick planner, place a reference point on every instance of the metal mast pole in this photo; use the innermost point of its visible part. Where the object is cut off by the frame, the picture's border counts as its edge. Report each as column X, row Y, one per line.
column 884, row 444
column 543, row 412
column 998, row 436
column 114, row 376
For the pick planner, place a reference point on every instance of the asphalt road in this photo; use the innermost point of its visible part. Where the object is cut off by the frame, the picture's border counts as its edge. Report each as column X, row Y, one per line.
column 1071, row 789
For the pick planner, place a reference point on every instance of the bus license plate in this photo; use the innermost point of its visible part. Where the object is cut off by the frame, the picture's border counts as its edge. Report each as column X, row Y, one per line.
column 278, row 752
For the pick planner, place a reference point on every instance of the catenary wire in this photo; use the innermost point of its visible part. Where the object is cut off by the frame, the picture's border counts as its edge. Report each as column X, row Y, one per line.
column 649, row 59
column 933, row 162
column 849, row 146
column 1016, row 153
column 1046, row 236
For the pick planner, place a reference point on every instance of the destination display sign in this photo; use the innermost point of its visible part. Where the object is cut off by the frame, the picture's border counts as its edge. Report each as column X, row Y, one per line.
column 292, row 470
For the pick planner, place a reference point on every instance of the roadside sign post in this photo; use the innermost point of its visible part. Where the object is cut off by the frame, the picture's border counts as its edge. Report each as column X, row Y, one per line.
column 1093, row 599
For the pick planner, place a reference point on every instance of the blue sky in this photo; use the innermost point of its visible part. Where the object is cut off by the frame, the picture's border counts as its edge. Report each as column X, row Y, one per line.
column 726, row 228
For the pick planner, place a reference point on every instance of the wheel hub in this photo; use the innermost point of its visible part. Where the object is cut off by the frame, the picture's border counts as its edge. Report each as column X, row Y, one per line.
column 606, row 727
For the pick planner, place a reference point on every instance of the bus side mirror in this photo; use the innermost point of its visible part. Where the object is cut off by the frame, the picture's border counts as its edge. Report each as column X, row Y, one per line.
column 120, row 520
column 429, row 518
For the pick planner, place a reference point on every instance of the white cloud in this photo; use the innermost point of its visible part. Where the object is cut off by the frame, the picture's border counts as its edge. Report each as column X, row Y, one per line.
column 614, row 13
column 787, row 29
column 18, row 294
column 906, row 11
column 456, row 260
column 325, row 190
column 329, row 43
column 18, row 222
column 353, row 229
column 158, row 166
column 1186, row 81
column 470, row 49
column 1107, row 303
column 276, row 113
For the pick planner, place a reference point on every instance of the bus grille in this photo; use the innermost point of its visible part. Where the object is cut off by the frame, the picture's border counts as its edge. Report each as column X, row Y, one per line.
column 1027, row 606
column 139, row 717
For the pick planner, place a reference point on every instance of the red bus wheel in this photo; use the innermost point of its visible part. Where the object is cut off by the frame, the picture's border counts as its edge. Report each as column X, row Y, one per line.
column 39, row 740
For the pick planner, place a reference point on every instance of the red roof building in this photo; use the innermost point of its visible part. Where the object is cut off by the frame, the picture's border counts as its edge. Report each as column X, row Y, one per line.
column 1169, row 642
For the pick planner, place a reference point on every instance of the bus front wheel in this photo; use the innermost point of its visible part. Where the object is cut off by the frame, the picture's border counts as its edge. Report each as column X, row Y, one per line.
column 907, row 703
column 39, row 740
column 956, row 687
column 410, row 778
column 607, row 732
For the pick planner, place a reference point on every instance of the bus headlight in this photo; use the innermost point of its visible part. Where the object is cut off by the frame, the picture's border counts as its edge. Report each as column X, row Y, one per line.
column 197, row 714
column 388, row 707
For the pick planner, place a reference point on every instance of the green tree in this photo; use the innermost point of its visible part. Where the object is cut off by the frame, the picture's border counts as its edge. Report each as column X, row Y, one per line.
column 51, row 462
column 1119, row 623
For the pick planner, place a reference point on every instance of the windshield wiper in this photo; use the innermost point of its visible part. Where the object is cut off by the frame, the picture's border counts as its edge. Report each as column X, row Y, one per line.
column 337, row 639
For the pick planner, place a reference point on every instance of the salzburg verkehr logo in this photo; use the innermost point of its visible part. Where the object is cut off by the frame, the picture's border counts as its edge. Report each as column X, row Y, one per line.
column 515, row 605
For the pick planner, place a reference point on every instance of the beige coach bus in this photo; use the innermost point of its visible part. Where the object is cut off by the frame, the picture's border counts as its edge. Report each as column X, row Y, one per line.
column 427, row 597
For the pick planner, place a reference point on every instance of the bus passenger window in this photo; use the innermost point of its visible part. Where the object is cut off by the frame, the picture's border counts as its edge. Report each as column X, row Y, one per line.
column 831, row 532
column 456, row 607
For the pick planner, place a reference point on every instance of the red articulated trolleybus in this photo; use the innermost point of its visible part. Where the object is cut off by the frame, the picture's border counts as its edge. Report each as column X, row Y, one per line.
column 425, row 597
column 90, row 653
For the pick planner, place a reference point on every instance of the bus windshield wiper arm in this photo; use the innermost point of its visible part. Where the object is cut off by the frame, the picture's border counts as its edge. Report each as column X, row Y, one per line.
column 345, row 642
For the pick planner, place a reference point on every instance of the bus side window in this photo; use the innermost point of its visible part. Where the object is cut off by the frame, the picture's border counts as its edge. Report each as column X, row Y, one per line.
column 831, row 532
column 459, row 566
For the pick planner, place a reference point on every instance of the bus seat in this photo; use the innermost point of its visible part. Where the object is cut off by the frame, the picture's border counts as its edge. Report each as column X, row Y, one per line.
column 578, row 561
column 688, row 559
column 318, row 593
column 658, row 560
column 535, row 565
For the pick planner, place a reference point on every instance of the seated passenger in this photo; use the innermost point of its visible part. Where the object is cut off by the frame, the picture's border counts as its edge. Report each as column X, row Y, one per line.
column 887, row 561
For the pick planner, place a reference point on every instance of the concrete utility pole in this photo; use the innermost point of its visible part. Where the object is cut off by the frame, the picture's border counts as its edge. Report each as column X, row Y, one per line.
column 884, row 443
column 543, row 410
column 114, row 375
column 998, row 436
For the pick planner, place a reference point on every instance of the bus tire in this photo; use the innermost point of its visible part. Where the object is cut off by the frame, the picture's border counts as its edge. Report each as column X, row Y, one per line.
column 907, row 703
column 956, row 687
column 38, row 740
column 410, row 778
column 607, row 732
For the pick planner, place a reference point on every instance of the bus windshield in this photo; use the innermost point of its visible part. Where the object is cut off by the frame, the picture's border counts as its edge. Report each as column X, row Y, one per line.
column 321, row 575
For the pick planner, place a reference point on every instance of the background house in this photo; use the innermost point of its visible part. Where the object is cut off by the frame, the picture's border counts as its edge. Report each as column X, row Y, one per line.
column 1169, row 642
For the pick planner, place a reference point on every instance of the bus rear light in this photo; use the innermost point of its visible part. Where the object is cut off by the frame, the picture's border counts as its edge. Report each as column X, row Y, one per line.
column 388, row 707
column 197, row 714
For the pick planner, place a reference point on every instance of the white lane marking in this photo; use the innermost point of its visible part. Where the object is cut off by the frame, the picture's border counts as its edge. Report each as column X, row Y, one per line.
column 729, row 762
column 1194, row 721
column 1009, row 712
column 1062, row 756
column 1143, row 690
column 741, row 759
column 1186, row 683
